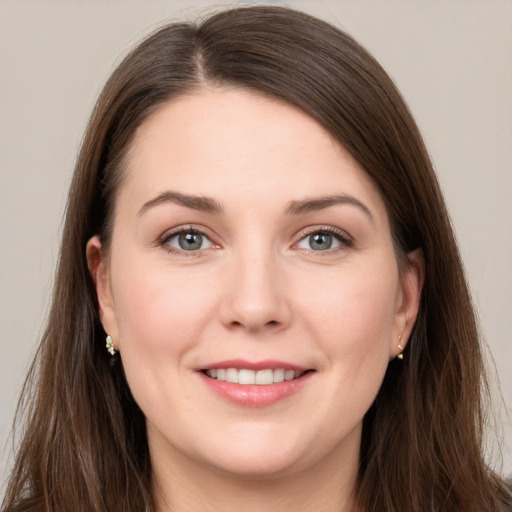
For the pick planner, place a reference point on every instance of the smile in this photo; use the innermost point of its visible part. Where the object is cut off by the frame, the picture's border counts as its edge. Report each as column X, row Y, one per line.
column 247, row 377
column 255, row 384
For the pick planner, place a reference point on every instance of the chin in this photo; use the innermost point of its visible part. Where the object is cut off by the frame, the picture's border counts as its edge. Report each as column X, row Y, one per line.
column 260, row 458
column 258, row 468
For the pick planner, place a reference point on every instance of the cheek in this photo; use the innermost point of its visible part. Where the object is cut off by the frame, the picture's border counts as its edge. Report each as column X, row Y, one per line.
column 353, row 314
column 158, row 309
column 161, row 313
column 355, row 303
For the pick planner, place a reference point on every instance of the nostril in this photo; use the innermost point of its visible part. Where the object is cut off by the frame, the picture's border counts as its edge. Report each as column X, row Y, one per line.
column 271, row 323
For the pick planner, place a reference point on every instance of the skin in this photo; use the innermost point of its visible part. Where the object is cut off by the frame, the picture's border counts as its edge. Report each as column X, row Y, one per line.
column 256, row 290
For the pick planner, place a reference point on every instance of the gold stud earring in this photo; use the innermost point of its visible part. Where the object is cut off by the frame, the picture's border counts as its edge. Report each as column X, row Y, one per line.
column 400, row 355
column 110, row 345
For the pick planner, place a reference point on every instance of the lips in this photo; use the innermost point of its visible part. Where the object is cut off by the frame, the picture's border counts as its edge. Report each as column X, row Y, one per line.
column 255, row 384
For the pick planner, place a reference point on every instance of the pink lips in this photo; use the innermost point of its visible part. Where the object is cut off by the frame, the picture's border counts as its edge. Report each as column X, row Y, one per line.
column 254, row 395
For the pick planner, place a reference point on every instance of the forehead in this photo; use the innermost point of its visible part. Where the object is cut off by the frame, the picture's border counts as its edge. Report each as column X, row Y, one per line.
column 239, row 144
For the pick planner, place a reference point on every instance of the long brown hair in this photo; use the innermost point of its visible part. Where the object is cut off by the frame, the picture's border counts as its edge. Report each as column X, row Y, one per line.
column 84, row 446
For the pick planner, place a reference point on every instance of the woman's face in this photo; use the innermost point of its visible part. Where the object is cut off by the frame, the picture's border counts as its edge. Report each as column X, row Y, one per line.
column 248, row 245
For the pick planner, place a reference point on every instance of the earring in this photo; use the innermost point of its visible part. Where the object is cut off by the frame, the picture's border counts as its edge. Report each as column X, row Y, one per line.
column 110, row 345
column 400, row 355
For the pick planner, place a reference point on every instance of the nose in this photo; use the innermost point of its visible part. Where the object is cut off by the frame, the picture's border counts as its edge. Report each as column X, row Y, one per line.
column 255, row 296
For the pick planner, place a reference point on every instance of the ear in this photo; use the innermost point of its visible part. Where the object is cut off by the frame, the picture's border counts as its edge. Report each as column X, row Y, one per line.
column 411, row 285
column 99, row 273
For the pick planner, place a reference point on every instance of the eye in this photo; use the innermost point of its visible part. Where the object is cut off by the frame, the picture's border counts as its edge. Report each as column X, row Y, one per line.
column 188, row 240
column 324, row 240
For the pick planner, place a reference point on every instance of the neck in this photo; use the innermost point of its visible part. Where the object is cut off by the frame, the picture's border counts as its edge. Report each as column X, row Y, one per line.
column 182, row 484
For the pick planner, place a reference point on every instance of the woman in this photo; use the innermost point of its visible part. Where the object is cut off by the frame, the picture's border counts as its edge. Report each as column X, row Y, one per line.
column 254, row 230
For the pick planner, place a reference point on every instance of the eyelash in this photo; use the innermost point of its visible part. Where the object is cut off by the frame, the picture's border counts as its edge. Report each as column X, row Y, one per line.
column 164, row 241
column 342, row 237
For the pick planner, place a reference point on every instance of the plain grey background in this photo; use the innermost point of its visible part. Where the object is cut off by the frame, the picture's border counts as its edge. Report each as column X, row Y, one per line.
column 452, row 60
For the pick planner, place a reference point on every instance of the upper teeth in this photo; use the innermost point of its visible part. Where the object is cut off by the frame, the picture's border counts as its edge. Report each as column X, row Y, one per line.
column 261, row 377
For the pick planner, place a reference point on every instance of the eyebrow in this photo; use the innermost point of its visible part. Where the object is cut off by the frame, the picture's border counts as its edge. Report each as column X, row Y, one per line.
column 298, row 207
column 201, row 203
column 319, row 203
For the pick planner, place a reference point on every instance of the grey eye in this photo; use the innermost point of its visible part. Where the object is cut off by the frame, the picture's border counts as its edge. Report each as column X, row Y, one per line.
column 189, row 241
column 321, row 241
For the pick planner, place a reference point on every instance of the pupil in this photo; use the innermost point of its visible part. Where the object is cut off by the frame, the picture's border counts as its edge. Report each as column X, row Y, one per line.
column 320, row 241
column 190, row 241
